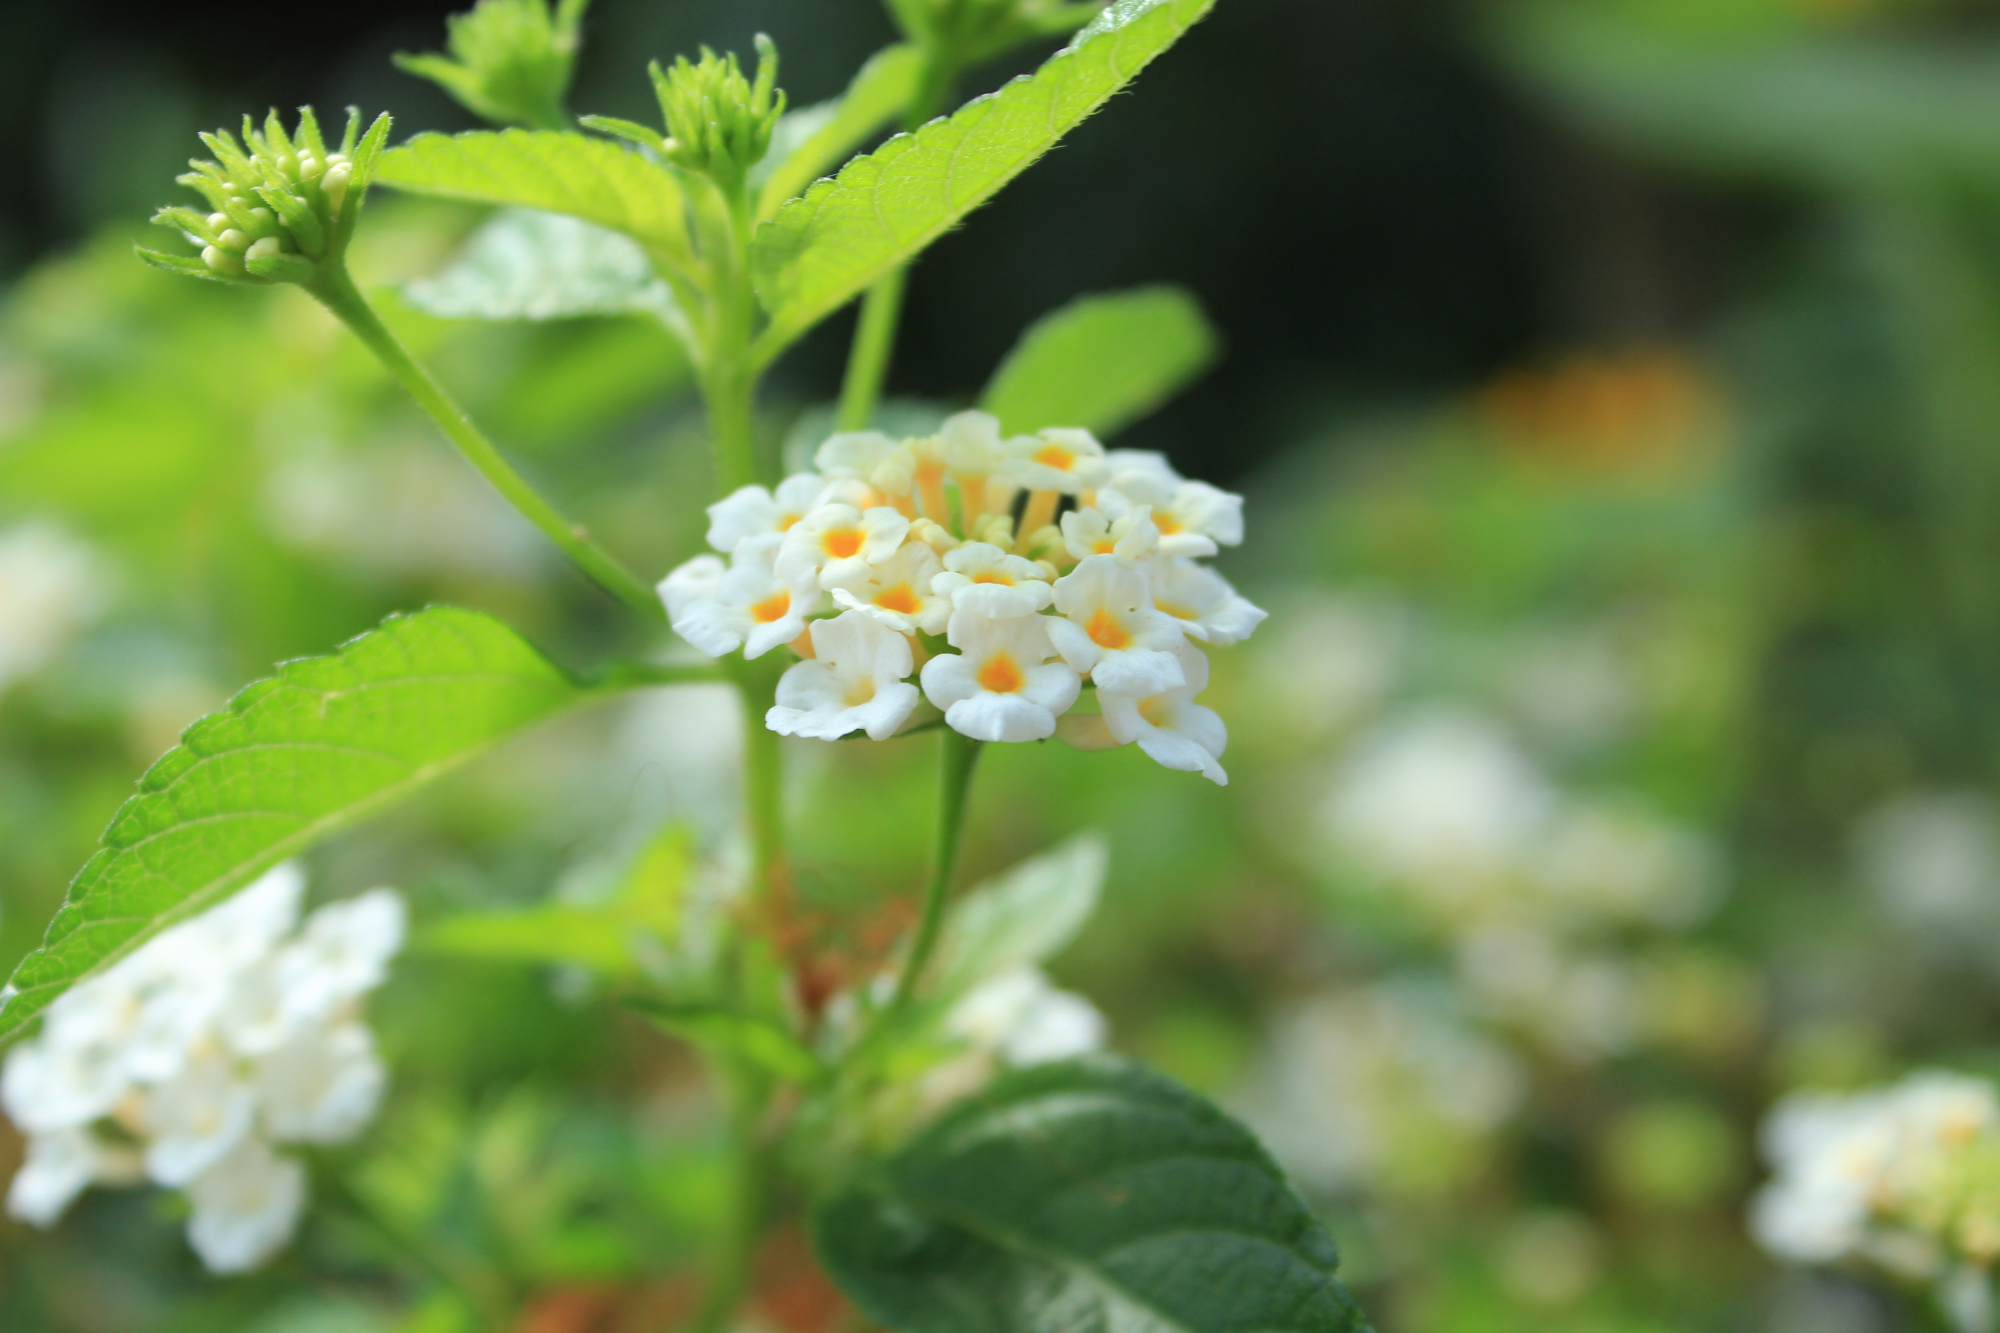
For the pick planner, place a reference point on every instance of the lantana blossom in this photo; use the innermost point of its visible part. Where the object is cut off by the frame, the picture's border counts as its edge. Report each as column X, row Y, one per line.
column 1043, row 560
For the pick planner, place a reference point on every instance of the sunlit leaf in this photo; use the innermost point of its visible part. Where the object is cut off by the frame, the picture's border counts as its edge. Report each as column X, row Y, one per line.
column 1086, row 1195
column 1102, row 362
column 811, row 141
column 293, row 757
column 527, row 264
column 826, row 247
column 1024, row 917
column 556, row 171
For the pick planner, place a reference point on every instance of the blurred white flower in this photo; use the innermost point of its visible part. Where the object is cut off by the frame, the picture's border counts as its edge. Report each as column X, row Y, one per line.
column 51, row 586
column 1906, row 1177
column 1023, row 1018
column 218, row 1038
column 1932, row 859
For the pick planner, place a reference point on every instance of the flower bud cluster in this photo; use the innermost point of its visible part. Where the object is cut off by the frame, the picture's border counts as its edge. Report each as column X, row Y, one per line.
column 1043, row 560
column 279, row 203
column 510, row 60
column 1905, row 1177
column 718, row 122
column 189, row 1060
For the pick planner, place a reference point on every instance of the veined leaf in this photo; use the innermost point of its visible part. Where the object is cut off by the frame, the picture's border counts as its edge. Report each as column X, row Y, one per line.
column 527, row 264
column 1024, row 917
column 1102, row 362
column 556, row 171
column 877, row 96
column 1091, row 1194
column 823, row 249
column 293, row 757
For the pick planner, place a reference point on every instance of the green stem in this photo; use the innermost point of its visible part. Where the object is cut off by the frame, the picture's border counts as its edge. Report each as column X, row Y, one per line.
column 957, row 755
column 868, row 359
column 763, row 774
column 337, row 293
column 485, row 1292
column 736, row 1261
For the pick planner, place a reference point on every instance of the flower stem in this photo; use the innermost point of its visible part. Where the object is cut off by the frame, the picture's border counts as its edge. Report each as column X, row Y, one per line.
column 868, row 361
column 763, row 777
column 957, row 756
column 338, row 294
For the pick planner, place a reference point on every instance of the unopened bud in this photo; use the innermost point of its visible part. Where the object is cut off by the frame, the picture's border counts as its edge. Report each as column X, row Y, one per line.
column 223, row 261
column 998, row 529
column 334, row 184
column 232, row 239
column 267, row 246
column 934, row 535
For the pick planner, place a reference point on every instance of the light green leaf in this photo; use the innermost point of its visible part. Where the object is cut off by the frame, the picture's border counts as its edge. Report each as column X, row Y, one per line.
column 727, row 1033
column 293, row 757
column 527, row 264
column 1102, row 362
column 810, row 141
column 556, row 171
column 1091, row 1194
column 1024, row 917
column 611, row 938
column 825, row 248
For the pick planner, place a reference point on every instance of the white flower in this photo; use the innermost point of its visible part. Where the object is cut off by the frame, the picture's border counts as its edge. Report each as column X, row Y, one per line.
column 1001, row 685
column 246, row 1207
column 51, row 586
column 693, row 581
column 971, row 444
column 1024, row 1019
column 836, row 542
column 1193, row 517
column 60, row 1165
column 898, row 591
column 751, row 607
column 1170, row 726
column 322, row 1086
column 1202, row 600
column 853, row 682
column 1092, row 531
column 1140, row 472
column 982, row 580
column 343, row 952
column 192, row 1119
column 867, row 456
column 753, row 514
column 1059, row 459
column 1113, row 631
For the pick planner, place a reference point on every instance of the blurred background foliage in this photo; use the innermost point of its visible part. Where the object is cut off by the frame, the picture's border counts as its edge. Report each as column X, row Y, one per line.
column 1616, row 386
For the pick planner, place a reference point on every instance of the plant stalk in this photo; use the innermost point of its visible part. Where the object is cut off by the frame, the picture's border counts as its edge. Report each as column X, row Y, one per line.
column 957, row 757
column 338, row 294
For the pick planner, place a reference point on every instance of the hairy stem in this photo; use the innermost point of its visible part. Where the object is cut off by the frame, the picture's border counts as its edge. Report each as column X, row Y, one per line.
column 874, row 340
column 338, row 294
column 957, row 756
column 763, row 778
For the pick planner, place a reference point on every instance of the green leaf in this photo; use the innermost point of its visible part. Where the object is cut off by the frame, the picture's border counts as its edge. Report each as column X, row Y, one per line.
column 611, row 938
column 527, row 264
column 1026, row 916
column 810, row 141
column 825, row 248
column 293, row 757
column 725, row 1032
column 556, row 171
column 1092, row 1194
column 1102, row 362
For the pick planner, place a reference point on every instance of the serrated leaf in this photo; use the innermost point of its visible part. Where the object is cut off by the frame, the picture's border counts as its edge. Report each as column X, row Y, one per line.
column 1089, row 1195
column 556, row 171
column 810, row 141
column 293, row 757
column 1024, row 917
column 1102, row 362
column 825, row 248
column 528, row 264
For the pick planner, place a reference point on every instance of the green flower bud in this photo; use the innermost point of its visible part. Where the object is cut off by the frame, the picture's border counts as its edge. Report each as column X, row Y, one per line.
column 510, row 60
column 281, row 205
column 970, row 31
column 718, row 122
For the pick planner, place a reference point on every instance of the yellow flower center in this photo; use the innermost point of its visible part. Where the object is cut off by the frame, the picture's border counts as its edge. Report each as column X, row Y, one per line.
column 1154, row 710
column 841, row 543
column 1105, row 631
column 772, row 608
column 900, row 600
column 1057, row 457
column 1000, row 675
column 993, row 578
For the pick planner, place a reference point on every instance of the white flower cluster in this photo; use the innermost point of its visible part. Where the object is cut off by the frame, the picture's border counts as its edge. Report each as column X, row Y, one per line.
column 1041, row 559
column 51, row 586
column 187, row 1061
column 1906, row 1177
column 1533, row 888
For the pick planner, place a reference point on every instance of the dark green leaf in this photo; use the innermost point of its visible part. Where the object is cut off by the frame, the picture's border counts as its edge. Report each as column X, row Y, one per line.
column 1090, row 1195
column 1102, row 362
